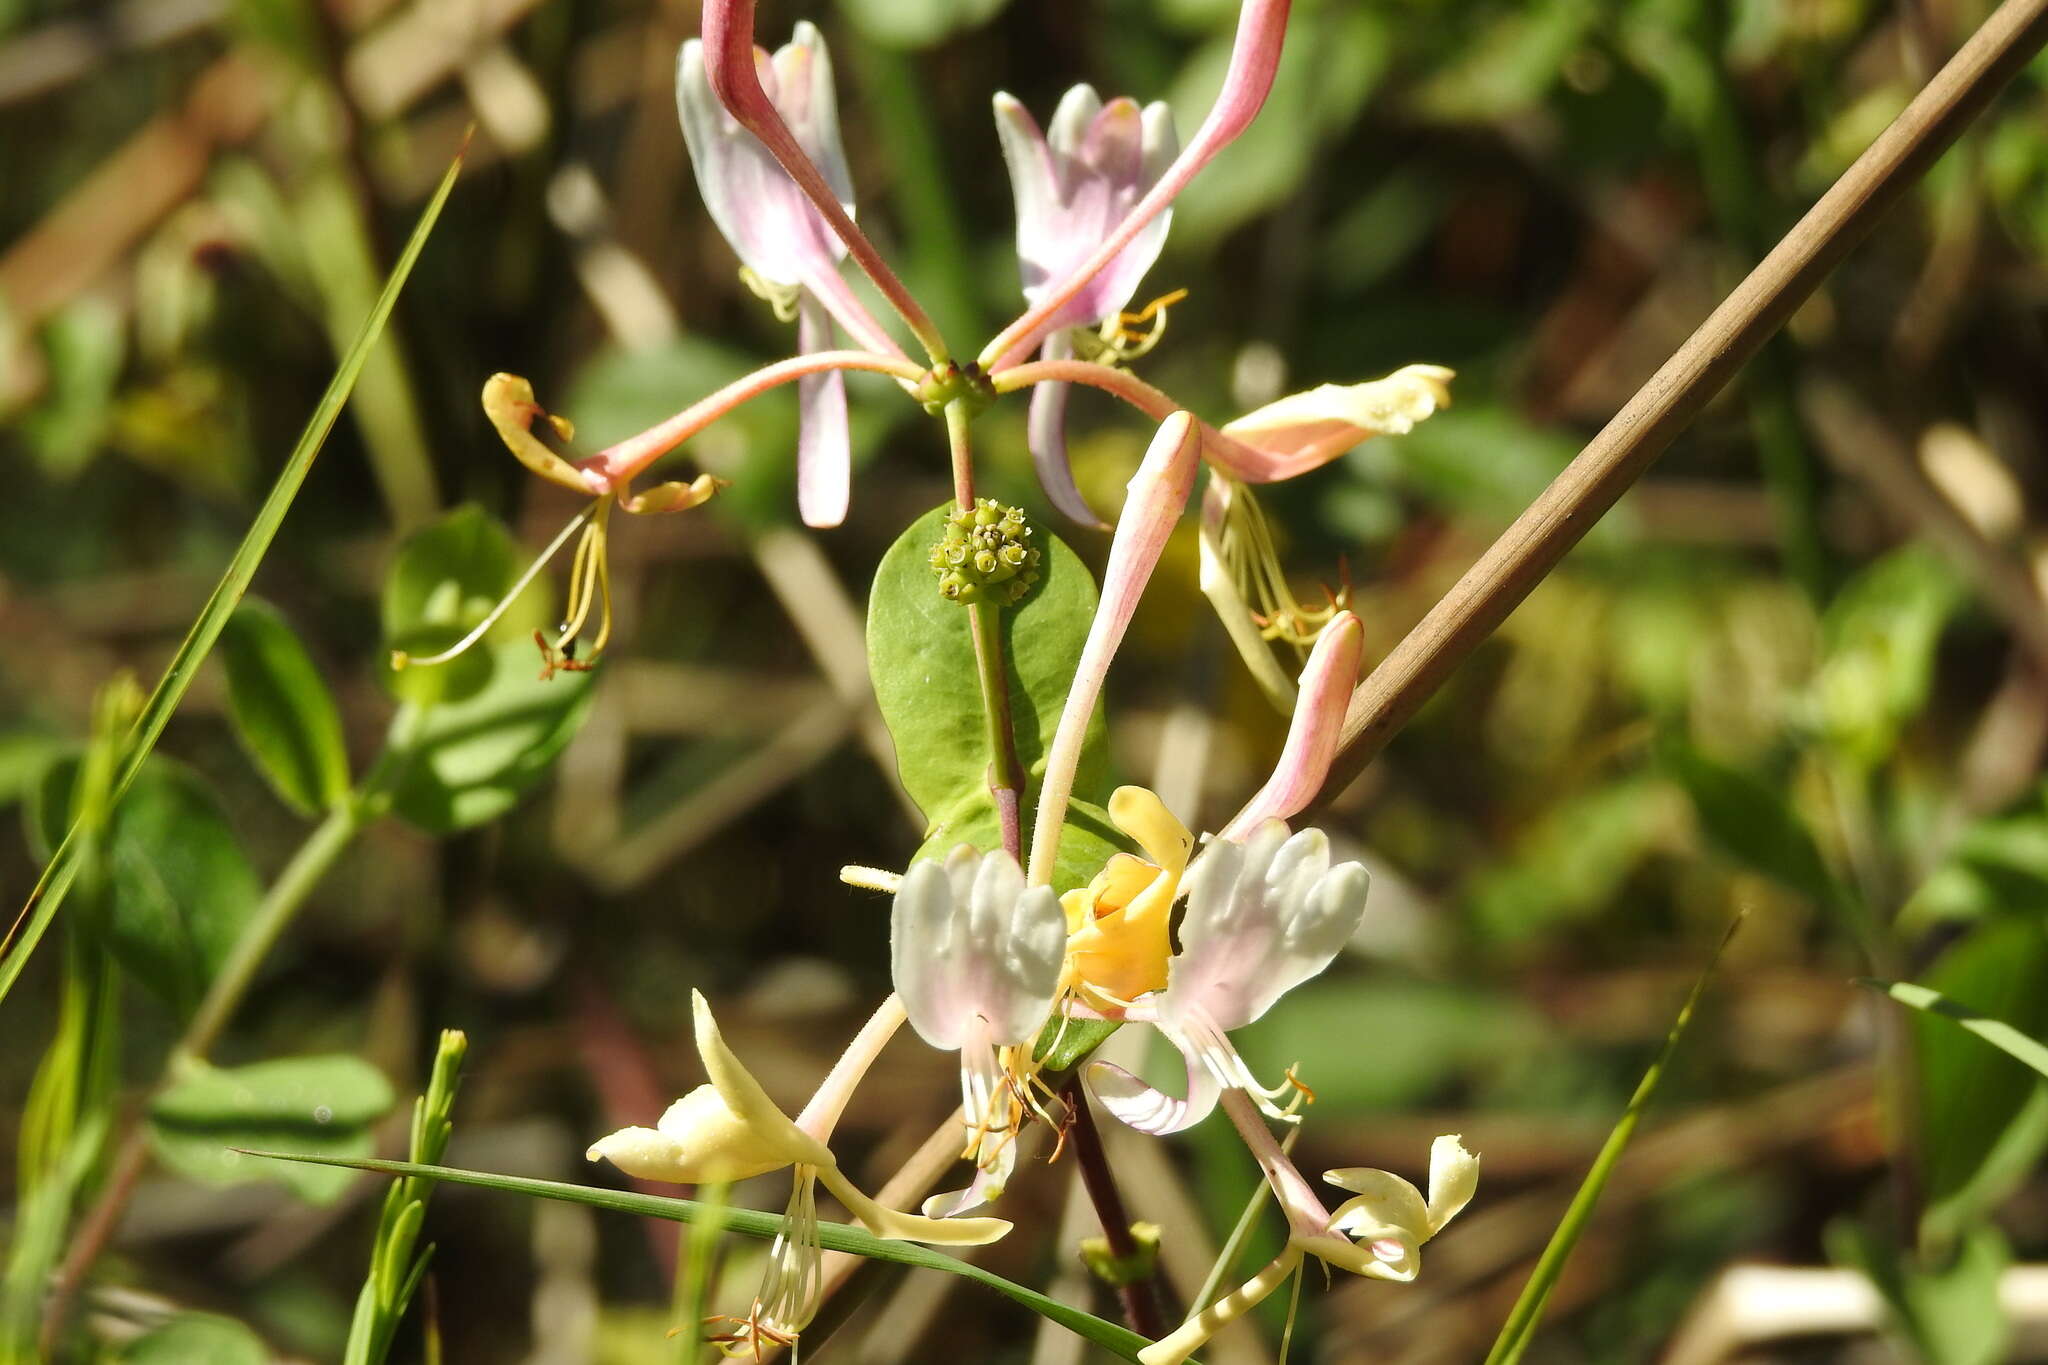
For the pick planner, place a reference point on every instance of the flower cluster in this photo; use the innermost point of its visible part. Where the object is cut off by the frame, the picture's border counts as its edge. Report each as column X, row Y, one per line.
column 985, row 555
column 1192, row 937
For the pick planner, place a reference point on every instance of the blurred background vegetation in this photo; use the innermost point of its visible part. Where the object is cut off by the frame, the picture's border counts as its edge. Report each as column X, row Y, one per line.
column 1801, row 670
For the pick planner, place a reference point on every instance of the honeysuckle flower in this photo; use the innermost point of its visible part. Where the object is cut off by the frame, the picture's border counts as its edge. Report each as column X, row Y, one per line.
column 1304, row 431
column 1376, row 1233
column 1254, row 59
column 789, row 254
column 728, row 1129
column 733, row 70
column 976, row 956
column 512, row 409
column 1117, row 940
column 1262, row 917
column 1071, row 188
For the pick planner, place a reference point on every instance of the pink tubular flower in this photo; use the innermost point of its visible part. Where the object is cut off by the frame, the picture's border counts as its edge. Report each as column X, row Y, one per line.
column 1304, row 431
column 1254, row 58
column 790, row 253
column 1071, row 190
column 976, row 959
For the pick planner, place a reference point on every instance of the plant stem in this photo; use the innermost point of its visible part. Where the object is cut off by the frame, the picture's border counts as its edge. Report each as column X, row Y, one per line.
column 280, row 905
column 961, row 449
column 1005, row 770
column 1140, row 1298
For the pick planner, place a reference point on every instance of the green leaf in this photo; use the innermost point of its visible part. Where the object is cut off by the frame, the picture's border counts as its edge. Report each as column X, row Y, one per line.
column 281, row 709
column 1970, row 1095
column 34, row 920
column 921, row 655
column 446, row 578
column 1528, row 1310
column 196, row 1339
column 317, row 1104
column 1951, row 1314
column 1753, row 824
column 179, row 888
column 475, row 757
column 750, row 1223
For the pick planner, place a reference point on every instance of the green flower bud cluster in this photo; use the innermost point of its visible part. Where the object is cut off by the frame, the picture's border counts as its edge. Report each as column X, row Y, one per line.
column 985, row 555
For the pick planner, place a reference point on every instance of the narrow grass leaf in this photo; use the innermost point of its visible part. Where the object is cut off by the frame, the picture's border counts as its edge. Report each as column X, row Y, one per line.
column 752, row 1223
column 1528, row 1311
column 29, row 926
column 1999, row 1034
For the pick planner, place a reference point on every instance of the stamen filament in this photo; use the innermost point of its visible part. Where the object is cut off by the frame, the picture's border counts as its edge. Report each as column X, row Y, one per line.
column 400, row 659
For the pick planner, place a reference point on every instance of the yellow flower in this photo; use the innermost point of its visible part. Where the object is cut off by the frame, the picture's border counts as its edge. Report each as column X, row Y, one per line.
column 1117, row 940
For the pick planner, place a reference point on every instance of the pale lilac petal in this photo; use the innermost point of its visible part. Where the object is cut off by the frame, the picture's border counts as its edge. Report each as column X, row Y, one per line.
column 1045, row 432
column 809, row 104
column 1149, row 1110
column 1073, row 185
column 824, row 446
column 973, row 953
column 1262, row 917
column 1325, row 692
column 774, row 230
column 1254, row 58
column 1158, row 493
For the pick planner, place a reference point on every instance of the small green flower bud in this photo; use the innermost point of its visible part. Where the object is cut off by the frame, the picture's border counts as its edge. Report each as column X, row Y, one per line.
column 985, row 556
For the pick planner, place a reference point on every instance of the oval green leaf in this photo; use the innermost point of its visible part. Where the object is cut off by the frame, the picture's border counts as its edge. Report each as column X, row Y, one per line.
column 476, row 756
column 312, row 1104
column 921, row 656
column 446, row 579
column 178, row 887
column 281, row 709
column 196, row 1339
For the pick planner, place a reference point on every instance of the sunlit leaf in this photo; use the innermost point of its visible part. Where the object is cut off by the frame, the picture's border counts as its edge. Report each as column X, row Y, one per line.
column 921, row 656
column 474, row 758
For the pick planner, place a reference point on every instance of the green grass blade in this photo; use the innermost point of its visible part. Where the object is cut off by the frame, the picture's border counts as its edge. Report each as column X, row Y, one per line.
column 753, row 1223
column 1999, row 1034
column 29, row 926
column 1528, row 1311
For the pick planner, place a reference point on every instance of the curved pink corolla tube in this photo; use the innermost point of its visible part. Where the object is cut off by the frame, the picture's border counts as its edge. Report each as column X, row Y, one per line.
column 1157, row 496
column 1312, row 735
column 1254, row 58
